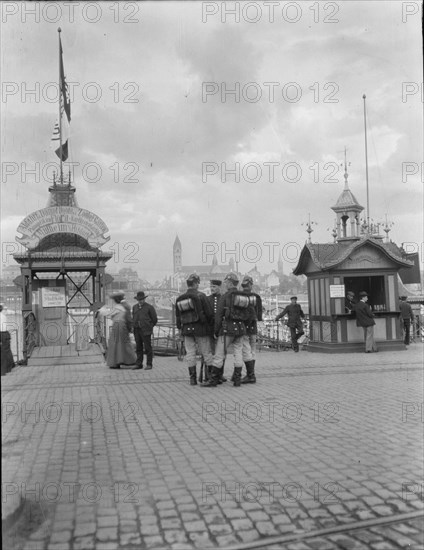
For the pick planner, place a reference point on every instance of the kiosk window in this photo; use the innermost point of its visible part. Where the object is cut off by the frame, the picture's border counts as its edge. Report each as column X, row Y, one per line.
column 373, row 285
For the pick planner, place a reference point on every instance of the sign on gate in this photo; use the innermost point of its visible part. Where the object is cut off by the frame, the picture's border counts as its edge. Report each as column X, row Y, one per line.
column 53, row 296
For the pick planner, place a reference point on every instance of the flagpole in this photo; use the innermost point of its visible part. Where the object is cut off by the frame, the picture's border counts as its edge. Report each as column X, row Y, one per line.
column 366, row 165
column 59, row 30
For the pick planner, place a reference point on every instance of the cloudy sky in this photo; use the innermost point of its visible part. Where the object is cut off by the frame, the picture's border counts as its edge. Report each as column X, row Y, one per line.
column 153, row 112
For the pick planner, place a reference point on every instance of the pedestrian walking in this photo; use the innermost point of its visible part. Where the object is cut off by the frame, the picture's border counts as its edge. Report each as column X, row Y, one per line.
column 194, row 315
column 406, row 317
column 249, row 341
column 229, row 329
column 120, row 350
column 295, row 316
column 7, row 361
column 365, row 319
column 144, row 319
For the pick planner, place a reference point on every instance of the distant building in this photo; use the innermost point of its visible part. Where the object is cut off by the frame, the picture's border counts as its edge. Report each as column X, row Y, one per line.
column 205, row 271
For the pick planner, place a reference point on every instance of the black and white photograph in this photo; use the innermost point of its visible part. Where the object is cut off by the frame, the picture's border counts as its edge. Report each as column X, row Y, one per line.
column 211, row 278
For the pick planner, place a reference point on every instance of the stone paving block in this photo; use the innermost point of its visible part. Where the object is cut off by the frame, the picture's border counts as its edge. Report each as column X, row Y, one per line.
column 149, row 529
column 172, row 536
column 384, row 545
column 346, row 542
column 321, row 544
column 127, row 539
column 83, row 529
column 173, row 523
column 226, row 540
column 373, row 501
column 106, row 534
column 258, row 515
column 60, row 537
column 367, row 536
column 153, row 542
column 249, row 535
column 168, row 513
column 128, row 526
column 106, row 546
column 58, row 546
column 83, row 543
column 266, row 528
column 298, row 546
column 201, row 540
column 365, row 514
column 191, row 526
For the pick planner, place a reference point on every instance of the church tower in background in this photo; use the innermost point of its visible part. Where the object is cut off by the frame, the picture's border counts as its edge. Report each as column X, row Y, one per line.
column 177, row 254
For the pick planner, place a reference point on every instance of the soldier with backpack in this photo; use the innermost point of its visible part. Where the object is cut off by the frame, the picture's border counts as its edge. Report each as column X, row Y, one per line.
column 249, row 342
column 194, row 315
column 229, row 329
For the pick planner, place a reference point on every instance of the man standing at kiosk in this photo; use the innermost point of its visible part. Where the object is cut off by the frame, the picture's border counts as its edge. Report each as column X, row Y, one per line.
column 365, row 319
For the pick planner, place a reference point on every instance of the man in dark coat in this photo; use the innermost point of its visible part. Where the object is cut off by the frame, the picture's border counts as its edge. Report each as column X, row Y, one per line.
column 365, row 319
column 406, row 316
column 194, row 316
column 350, row 302
column 229, row 329
column 214, row 298
column 295, row 315
column 144, row 319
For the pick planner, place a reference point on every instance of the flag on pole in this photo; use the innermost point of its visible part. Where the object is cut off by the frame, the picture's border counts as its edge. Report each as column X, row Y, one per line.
column 61, row 130
column 55, row 141
column 63, row 86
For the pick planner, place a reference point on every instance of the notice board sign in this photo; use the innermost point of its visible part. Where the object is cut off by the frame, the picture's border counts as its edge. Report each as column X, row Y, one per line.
column 53, row 296
column 337, row 291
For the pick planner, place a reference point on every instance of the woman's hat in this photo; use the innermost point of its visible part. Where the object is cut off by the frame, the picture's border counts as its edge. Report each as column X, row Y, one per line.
column 117, row 294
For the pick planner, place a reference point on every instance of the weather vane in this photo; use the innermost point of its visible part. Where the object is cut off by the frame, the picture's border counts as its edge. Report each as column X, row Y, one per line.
column 309, row 225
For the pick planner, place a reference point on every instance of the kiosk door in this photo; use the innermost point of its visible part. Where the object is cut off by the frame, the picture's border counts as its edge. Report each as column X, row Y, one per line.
column 52, row 316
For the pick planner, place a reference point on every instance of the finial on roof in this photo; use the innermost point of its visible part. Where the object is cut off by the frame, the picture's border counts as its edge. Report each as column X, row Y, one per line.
column 309, row 225
column 345, row 167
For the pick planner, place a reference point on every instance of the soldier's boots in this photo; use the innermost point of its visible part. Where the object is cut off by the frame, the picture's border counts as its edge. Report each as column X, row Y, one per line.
column 237, row 376
column 250, row 377
column 214, row 376
column 192, row 373
column 221, row 376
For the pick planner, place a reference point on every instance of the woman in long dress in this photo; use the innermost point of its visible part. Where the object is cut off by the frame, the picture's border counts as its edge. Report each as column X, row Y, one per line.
column 120, row 351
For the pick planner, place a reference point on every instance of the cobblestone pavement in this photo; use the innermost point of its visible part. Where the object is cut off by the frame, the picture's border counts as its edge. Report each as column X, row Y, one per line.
column 324, row 452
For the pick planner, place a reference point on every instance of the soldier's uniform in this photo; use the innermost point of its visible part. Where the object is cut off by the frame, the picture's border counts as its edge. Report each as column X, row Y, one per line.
column 229, row 329
column 214, row 301
column 194, row 316
column 249, row 341
column 295, row 314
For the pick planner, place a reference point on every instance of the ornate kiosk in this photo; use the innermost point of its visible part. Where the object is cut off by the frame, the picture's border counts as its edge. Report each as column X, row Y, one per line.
column 63, row 272
column 358, row 260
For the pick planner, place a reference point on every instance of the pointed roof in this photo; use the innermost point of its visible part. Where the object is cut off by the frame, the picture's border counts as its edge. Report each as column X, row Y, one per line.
column 177, row 242
column 347, row 200
column 330, row 255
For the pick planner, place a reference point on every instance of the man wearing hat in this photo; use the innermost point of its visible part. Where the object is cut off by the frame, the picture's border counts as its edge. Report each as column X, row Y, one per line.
column 194, row 316
column 350, row 302
column 249, row 341
column 229, row 329
column 144, row 319
column 406, row 316
column 365, row 319
column 295, row 315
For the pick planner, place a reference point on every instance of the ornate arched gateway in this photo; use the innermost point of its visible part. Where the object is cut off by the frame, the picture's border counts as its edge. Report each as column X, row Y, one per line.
column 63, row 271
column 63, row 267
